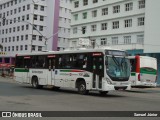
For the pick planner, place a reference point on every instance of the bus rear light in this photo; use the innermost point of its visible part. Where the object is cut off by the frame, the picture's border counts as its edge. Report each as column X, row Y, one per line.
column 139, row 77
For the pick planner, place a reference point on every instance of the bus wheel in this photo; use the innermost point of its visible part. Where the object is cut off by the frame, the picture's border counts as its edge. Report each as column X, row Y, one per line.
column 35, row 83
column 82, row 88
column 103, row 93
column 55, row 88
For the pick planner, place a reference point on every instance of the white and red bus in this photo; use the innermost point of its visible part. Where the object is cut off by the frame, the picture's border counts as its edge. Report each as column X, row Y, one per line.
column 91, row 69
column 143, row 71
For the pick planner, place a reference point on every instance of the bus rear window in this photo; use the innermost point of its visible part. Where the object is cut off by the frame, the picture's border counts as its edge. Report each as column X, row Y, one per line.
column 19, row 62
column 133, row 65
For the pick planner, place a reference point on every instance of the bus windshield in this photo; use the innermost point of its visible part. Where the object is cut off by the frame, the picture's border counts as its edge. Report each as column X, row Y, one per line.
column 118, row 67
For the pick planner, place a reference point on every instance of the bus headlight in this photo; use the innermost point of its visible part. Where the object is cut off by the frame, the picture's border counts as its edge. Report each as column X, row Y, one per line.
column 108, row 81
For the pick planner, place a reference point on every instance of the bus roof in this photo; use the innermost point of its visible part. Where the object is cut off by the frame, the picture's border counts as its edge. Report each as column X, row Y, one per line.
column 148, row 57
column 68, row 51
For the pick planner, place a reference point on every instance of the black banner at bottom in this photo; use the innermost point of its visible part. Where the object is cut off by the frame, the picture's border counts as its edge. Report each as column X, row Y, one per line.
column 30, row 114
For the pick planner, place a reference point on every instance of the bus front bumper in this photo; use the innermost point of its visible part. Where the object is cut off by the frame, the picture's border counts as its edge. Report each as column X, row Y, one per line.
column 144, row 84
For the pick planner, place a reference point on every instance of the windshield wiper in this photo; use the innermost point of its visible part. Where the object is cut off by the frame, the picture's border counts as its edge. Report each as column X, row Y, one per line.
column 116, row 61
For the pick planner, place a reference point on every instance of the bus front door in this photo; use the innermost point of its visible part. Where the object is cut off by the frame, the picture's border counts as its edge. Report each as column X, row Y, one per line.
column 25, row 73
column 98, row 72
column 51, row 71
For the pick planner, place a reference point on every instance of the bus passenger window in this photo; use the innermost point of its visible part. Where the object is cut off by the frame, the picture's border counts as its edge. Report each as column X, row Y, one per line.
column 85, row 63
column 133, row 65
column 100, row 63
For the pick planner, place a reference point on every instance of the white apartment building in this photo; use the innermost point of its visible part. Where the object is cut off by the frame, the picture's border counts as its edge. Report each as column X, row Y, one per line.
column 131, row 25
column 51, row 20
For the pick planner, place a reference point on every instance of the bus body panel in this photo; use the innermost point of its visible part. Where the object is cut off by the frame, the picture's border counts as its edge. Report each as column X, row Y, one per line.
column 146, row 74
column 95, row 75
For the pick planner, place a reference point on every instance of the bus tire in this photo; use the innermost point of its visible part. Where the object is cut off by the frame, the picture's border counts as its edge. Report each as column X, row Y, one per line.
column 35, row 83
column 55, row 88
column 82, row 88
column 103, row 93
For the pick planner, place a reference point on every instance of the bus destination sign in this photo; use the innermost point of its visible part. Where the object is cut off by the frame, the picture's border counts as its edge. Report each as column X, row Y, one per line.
column 116, row 53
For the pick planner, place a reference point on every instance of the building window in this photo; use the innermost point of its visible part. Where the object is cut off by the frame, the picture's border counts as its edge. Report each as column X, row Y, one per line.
column 74, row 30
column 15, row 11
column 27, row 27
column 128, row 23
column 76, row 4
column 84, row 28
column 140, row 39
column 128, row 6
column 9, row 39
column 127, row 39
column 39, row 48
column 17, row 38
column 9, row 48
column 40, row 28
column 85, row 2
column 23, row 8
column 42, row 8
column 21, row 47
column 35, row 17
column 93, row 28
column 34, row 27
column 114, row 40
column 76, row 17
column 26, row 47
column 74, row 43
column 26, row 37
column 115, row 24
column 16, row 48
column 141, row 4
column 33, row 37
column 104, row 26
column 11, row 12
column 21, row 37
column 28, row 7
column 12, row 48
column 22, row 27
column 27, row 17
column 104, row 11
column 23, row 18
column 141, row 21
column 19, row 9
column 36, row 7
column 103, row 41
column 40, row 38
column 94, row 13
column 93, row 43
column 95, row 1
column 116, row 9
column 13, row 39
column 33, row 47
column 41, row 18
column 85, row 15
column 18, row 28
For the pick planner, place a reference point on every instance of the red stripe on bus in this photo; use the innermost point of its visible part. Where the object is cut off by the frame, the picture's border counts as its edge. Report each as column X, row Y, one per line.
column 77, row 70
column 137, row 64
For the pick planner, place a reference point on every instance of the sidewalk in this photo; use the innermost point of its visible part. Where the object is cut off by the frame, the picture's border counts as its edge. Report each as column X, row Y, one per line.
column 8, row 79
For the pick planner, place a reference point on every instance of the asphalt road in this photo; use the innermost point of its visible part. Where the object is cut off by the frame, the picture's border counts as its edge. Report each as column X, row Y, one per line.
column 18, row 97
